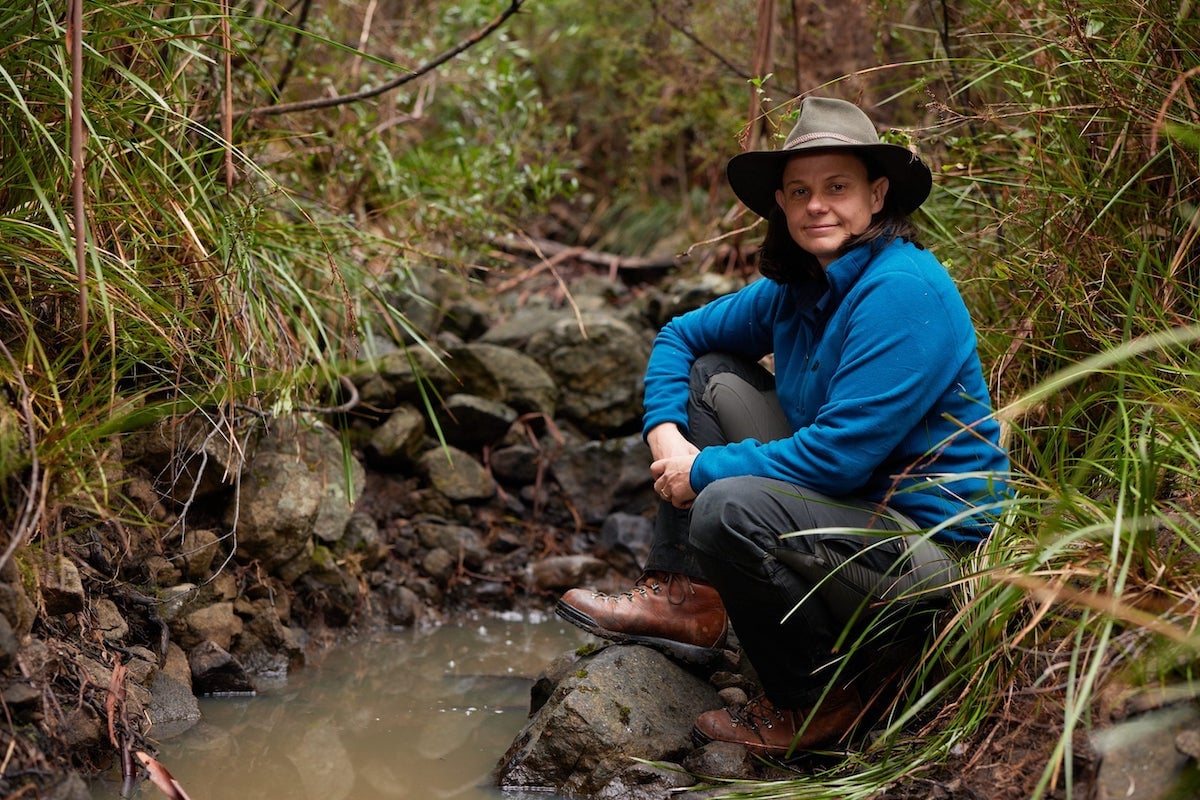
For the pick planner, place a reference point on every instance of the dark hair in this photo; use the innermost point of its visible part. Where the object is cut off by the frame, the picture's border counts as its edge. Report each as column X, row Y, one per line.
column 784, row 261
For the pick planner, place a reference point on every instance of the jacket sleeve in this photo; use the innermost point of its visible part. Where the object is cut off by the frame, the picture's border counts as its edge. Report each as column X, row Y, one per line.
column 904, row 341
column 739, row 323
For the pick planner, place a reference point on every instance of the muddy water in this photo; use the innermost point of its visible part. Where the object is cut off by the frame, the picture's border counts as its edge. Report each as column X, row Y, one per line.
column 407, row 714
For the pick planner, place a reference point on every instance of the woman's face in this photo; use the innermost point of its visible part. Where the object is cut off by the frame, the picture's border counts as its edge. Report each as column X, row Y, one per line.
column 827, row 198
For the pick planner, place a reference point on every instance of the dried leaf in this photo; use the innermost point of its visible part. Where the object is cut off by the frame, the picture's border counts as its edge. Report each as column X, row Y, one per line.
column 164, row 780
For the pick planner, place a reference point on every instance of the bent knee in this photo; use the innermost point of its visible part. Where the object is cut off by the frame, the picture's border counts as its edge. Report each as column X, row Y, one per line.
column 718, row 505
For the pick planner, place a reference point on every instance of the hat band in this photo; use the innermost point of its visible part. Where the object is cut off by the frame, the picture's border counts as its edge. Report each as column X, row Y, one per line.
column 808, row 137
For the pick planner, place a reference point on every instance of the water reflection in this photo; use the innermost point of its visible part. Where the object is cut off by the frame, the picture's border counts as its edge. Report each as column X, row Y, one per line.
column 406, row 714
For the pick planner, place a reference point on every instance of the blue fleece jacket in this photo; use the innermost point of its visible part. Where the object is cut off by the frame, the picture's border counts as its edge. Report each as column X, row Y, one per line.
column 878, row 373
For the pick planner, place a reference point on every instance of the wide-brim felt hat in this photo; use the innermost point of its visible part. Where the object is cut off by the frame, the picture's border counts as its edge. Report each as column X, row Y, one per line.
column 825, row 123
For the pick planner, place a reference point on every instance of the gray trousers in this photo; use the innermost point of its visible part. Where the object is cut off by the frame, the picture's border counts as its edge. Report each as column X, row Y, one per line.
column 792, row 588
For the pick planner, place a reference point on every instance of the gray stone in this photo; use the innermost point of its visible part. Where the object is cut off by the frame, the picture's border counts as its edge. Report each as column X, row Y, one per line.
column 192, row 456
column 516, row 463
column 622, row 703
column 458, row 540
column 522, row 382
column 9, row 646
column 439, row 564
column 625, row 541
column 198, row 550
column 62, row 588
column 396, row 443
column 173, row 706
column 216, row 622
column 108, row 620
column 457, row 475
column 216, row 672
column 70, row 786
column 471, row 422
column 584, row 364
column 1140, row 757
column 565, row 572
column 601, row 477
column 644, row 782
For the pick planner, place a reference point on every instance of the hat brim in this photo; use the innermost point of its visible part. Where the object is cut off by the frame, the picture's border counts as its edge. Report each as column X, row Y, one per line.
column 754, row 176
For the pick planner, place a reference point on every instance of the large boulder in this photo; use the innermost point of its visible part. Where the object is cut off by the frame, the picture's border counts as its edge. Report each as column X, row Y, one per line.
column 294, row 487
column 598, row 363
column 608, row 709
column 600, row 477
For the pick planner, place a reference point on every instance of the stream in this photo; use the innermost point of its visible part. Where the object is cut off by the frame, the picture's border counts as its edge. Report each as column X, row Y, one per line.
column 403, row 714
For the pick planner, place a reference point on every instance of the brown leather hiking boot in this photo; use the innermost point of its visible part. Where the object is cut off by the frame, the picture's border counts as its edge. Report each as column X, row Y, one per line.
column 664, row 610
column 762, row 728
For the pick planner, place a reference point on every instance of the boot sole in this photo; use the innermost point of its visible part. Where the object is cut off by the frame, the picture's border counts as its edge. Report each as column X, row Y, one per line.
column 689, row 653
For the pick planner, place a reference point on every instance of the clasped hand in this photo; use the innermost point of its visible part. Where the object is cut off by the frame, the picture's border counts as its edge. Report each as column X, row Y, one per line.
column 672, row 466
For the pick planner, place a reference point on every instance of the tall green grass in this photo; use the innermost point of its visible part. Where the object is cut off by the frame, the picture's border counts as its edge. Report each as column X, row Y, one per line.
column 231, row 263
column 1068, row 207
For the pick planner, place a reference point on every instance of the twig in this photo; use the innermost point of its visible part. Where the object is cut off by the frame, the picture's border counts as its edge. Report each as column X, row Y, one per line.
column 75, row 46
column 367, row 94
column 546, row 247
column 227, row 95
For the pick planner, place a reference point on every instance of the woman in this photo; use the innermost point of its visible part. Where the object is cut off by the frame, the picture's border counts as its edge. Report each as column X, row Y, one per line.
column 795, row 503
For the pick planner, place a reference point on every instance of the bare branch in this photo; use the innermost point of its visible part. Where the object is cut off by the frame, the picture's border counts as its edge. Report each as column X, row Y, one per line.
column 367, row 94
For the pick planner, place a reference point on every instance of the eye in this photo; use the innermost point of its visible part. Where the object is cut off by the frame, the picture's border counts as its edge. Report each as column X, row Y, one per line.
column 838, row 187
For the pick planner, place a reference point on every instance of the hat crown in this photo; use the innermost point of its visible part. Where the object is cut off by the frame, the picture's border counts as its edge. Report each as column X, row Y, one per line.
column 826, row 121
column 823, row 124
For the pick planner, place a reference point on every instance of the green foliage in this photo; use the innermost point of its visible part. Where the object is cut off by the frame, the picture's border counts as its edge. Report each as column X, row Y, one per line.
column 219, row 277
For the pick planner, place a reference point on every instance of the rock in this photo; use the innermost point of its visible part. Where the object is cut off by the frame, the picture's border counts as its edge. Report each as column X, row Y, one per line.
column 173, row 705
column 623, row 703
column 472, row 422
column 1143, row 752
column 15, row 605
column 521, row 382
column 62, row 588
column 108, row 620
column 217, row 623
column 199, row 548
column 70, row 786
column 720, row 760
column 9, row 646
column 267, row 647
column 400, row 605
column 644, row 782
column 362, row 539
column 600, row 477
column 341, row 477
column 565, row 572
column 396, row 443
column 458, row 540
column 439, row 565
column 175, row 600
column 191, row 456
column 516, row 464
column 216, row 672
column 584, row 363
column 625, row 541
column 456, row 475
column 82, row 729
column 280, row 497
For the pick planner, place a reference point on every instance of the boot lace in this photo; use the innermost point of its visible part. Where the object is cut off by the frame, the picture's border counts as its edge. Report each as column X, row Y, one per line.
column 648, row 583
column 757, row 713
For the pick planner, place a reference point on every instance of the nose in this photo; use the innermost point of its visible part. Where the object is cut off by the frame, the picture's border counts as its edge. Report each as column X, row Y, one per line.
column 816, row 203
